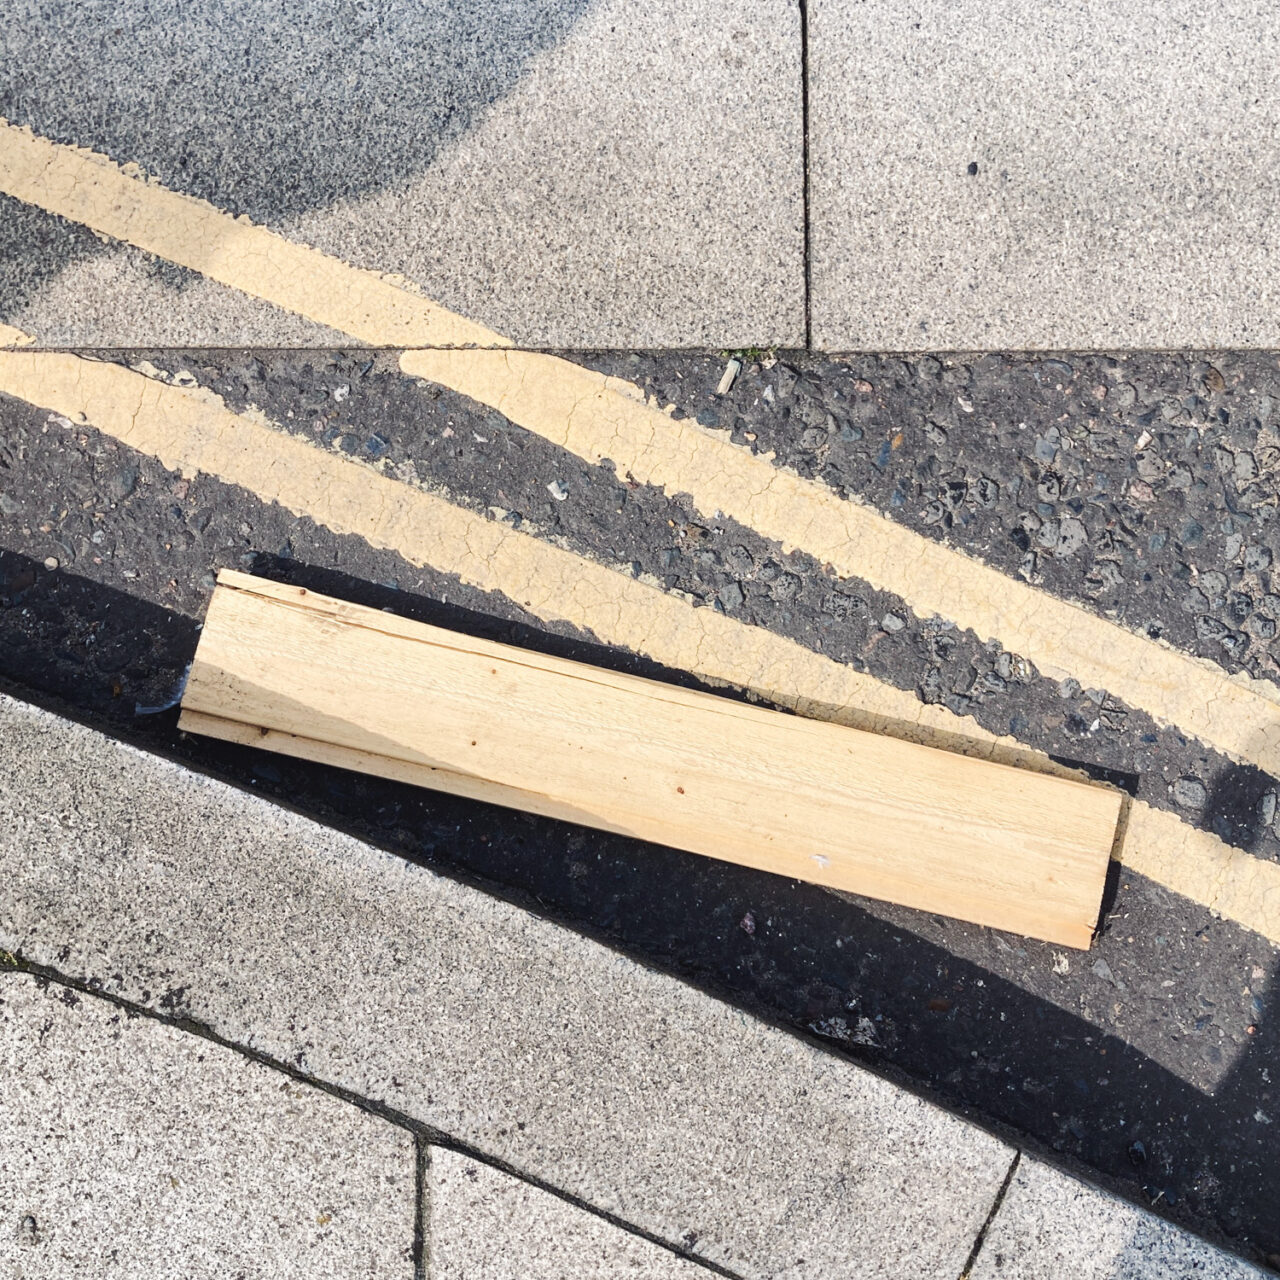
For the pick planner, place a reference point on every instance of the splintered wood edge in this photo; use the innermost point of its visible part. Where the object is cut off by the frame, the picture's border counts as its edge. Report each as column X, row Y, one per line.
column 1062, row 928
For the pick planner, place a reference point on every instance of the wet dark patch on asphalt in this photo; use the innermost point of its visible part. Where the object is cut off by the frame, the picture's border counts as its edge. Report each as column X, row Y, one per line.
column 1147, row 1058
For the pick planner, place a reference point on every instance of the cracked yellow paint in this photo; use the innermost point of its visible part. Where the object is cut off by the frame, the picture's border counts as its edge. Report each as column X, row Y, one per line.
column 117, row 201
column 191, row 430
column 601, row 418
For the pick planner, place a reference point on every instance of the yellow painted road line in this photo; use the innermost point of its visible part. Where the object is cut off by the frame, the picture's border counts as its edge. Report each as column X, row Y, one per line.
column 601, row 418
column 11, row 337
column 193, row 431
column 90, row 188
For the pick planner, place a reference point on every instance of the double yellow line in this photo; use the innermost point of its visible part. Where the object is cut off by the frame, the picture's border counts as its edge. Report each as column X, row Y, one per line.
column 601, row 418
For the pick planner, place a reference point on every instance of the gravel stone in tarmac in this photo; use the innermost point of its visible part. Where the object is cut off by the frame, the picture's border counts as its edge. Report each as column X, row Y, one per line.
column 1142, row 486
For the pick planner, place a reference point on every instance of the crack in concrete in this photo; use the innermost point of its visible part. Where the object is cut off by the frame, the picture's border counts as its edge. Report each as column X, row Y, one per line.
column 426, row 1135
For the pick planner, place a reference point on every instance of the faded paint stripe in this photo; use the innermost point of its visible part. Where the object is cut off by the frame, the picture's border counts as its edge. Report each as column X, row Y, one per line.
column 601, row 418
column 92, row 189
column 11, row 337
column 192, row 431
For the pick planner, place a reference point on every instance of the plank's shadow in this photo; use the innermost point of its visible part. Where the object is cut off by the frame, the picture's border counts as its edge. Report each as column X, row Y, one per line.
column 789, row 952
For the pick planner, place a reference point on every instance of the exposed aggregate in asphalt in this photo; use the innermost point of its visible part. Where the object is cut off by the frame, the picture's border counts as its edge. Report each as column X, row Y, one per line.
column 1149, row 1058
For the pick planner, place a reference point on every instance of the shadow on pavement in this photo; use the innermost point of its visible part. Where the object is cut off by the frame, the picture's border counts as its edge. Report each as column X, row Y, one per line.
column 788, row 951
column 270, row 108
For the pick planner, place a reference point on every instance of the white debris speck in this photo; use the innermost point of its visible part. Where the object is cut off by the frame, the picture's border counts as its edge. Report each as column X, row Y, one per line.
column 865, row 1032
column 51, row 563
column 838, row 1029
column 729, row 377
column 832, row 1028
column 479, row 439
column 821, row 859
column 341, row 393
column 1261, row 1117
column 965, row 405
column 1060, row 963
column 557, row 491
column 1143, row 440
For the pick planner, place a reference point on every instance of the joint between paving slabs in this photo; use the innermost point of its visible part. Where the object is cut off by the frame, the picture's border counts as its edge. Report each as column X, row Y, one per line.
column 422, row 1219
column 972, row 1260
column 425, row 1135
column 807, row 227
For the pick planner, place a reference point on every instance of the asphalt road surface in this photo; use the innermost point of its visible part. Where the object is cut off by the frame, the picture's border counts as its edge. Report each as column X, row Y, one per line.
column 1143, row 487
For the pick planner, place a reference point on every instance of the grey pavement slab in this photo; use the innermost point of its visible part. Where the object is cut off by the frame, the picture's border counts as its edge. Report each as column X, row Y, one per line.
column 1071, row 175
column 1051, row 1225
column 128, row 1147
column 1177, row 542
column 574, row 172
column 483, row 1222
column 566, row 1061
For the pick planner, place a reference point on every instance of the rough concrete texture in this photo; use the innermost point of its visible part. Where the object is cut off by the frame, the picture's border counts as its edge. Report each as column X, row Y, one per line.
column 1050, row 1225
column 1075, row 175
column 62, row 282
column 1165, row 1036
column 483, row 1222
column 570, row 1063
column 128, row 1147
column 618, row 173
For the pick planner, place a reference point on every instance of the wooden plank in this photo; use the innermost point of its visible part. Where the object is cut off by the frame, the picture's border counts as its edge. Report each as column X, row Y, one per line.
column 310, row 676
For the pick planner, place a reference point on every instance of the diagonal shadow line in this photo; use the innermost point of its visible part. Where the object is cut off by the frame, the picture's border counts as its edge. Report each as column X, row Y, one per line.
column 651, row 903
column 274, row 115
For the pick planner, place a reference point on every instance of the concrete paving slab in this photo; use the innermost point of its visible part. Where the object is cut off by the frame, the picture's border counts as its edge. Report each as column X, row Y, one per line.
column 128, row 1147
column 566, row 1061
column 483, row 1222
column 1003, row 175
column 576, row 172
column 66, row 283
column 1050, row 1225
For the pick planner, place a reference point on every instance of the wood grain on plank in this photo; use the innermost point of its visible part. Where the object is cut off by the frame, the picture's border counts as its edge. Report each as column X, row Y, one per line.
column 302, row 673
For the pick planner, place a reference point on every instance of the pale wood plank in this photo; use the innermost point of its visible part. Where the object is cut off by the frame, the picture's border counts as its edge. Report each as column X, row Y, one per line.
column 307, row 675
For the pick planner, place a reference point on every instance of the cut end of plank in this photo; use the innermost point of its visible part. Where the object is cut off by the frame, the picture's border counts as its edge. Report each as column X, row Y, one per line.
column 301, row 673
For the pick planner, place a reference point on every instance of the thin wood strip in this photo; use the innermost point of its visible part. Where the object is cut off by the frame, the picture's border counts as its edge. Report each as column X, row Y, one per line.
column 311, row 676
column 420, row 775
